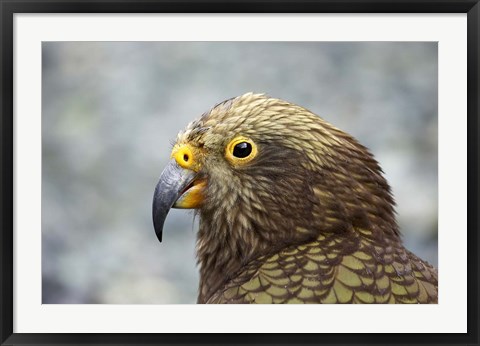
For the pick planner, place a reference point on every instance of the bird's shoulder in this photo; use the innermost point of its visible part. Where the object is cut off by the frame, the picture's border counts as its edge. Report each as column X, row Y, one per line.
column 334, row 268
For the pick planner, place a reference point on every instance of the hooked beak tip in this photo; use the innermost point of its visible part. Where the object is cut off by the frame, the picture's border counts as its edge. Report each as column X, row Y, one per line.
column 169, row 188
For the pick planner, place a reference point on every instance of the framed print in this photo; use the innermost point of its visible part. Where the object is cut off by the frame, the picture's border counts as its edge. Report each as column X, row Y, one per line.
column 327, row 153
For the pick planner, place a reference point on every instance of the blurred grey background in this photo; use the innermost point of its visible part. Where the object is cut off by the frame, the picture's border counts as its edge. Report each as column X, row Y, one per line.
column 111, row 109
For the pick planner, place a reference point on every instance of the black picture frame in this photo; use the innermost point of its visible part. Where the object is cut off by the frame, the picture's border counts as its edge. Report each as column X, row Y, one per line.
column 10, row 7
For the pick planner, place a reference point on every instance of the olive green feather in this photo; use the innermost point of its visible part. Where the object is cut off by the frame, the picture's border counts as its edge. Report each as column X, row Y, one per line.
column 356, row 274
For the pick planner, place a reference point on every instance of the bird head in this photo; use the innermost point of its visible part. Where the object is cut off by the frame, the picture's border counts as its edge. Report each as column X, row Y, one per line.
column 264, row 173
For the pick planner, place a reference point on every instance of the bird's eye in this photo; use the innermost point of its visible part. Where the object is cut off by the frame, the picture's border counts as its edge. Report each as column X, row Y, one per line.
column 240, row 150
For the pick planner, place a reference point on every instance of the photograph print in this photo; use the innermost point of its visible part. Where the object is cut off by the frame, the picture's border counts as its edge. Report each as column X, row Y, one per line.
column 240, row 172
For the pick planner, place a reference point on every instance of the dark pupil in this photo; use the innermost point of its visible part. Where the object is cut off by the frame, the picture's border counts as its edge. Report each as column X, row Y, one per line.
column 242, row 150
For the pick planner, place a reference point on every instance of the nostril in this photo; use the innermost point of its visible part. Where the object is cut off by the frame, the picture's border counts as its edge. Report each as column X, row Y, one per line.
column 185, row 157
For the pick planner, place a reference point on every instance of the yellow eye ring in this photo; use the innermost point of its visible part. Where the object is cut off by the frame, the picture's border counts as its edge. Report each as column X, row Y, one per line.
column 241, row 150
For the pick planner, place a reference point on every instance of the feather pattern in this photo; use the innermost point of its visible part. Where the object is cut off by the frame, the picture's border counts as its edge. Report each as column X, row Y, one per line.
column 310, row 219
column 333, row 269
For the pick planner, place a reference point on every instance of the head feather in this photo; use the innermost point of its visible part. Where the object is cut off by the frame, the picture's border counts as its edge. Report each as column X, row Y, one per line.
column 309, row 178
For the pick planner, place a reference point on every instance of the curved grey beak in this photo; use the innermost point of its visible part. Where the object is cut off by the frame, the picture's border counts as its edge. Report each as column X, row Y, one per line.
column 173, row 182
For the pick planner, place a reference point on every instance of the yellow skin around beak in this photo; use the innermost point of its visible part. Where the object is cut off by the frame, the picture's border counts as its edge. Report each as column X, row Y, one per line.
column 193, row 196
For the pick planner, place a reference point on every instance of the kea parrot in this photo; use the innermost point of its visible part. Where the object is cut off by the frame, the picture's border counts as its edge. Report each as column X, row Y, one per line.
column 291, row 210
